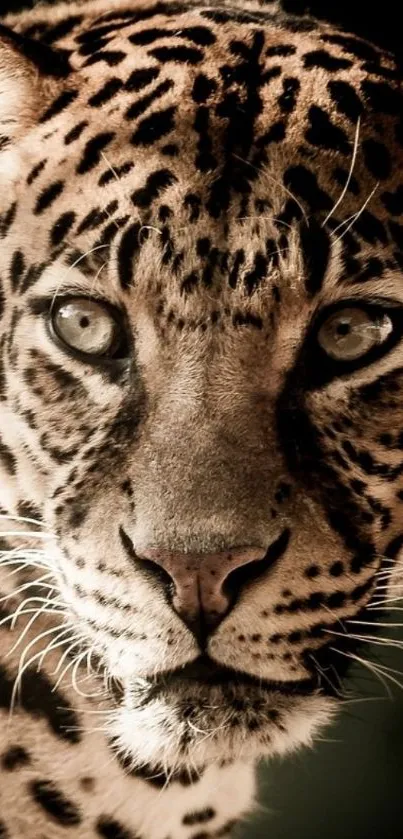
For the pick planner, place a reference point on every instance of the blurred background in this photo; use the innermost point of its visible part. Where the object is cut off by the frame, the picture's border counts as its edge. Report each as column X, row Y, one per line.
column 350, row 784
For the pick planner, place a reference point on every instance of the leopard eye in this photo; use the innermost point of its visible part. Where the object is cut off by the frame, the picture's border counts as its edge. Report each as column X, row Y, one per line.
column 87, row 326
column 350, row 333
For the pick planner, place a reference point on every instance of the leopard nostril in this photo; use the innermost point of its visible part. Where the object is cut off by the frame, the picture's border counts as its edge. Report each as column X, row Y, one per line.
column 240, row 577
column 155, row 570
column 203, row 587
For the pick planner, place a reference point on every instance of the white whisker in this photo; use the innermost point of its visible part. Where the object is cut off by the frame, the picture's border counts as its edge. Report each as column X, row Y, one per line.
column 350, row 174
column 74, row 265
column 8, row 517
column 352, row 219
column 369, row 665
column 25, row 534
column 24, row 665
column 38, row 582
column 370, row 639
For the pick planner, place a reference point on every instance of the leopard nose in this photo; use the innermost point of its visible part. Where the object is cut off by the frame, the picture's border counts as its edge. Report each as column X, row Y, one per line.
column 204, row 586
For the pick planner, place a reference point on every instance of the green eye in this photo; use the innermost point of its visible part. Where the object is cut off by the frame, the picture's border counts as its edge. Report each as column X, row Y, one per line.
column 350, row 333
column 86, row 326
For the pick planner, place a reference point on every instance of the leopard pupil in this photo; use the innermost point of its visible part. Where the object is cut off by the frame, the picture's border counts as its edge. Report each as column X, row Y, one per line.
column 343, row 329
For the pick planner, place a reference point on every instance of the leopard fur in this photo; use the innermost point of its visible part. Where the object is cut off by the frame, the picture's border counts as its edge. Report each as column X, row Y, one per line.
column 222, row 177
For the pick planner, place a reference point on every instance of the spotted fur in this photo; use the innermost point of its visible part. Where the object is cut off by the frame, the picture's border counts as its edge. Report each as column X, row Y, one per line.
column 222, row 177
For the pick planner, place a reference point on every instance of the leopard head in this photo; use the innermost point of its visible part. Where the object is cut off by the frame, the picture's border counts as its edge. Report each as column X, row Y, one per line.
column 201, row 359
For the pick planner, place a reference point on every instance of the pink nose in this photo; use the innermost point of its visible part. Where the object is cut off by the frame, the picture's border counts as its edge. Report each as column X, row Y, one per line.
column 200, row 593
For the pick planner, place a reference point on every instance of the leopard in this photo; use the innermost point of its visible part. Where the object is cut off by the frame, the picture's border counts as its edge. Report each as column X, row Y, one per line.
column 201, row 417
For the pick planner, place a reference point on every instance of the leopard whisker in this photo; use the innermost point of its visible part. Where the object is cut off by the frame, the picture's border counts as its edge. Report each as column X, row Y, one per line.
column 24, row 557
column 358, row 699
column 74, row 681
column 352, row 219
column 370, row 623
column 11, row 616
column 65, row 655
column 25, row 586
column 59, row 641
column 325, row 675
column 390, row 587
column 349, row 176
column 47, row 607
column 379, row 606
column 23, row 665
column 10, row 517
column 369, row 666
column 380, row 671
column 370, row 639
column 70, row 268
column 25, row 534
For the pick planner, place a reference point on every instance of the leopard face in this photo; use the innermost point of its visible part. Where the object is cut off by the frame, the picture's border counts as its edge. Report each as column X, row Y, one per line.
column 201, row 360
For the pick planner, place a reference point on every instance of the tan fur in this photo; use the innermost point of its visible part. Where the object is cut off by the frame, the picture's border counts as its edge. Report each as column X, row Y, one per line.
column 210, row 419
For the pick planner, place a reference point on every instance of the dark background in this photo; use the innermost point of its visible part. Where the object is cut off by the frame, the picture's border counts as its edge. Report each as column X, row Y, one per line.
column 349, row 786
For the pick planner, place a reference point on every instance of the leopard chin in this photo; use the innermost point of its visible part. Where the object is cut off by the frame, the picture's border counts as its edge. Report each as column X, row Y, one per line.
column 185, row 721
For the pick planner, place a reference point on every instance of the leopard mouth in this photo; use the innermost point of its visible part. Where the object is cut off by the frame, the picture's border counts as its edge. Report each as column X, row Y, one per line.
column 205, row 673
column 202, row 713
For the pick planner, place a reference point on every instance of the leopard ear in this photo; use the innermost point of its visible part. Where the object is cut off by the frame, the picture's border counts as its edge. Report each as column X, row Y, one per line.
column 29, row 73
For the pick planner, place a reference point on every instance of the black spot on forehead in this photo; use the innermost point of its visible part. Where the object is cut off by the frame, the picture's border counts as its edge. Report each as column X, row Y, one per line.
column 200, row 35
column 373, row 267
column 324, row 133
column 111, row 57
column 154, row 126
column 92, row 151
column 140, row 105
column 203, row 88
column 7, row 219
column 65, row 98
column 75, row 132
column 324, row 59
column 377, row 158
column 346, row 99
column 155, row 184
column 204, row 160
column 281, row 50
column 36, row 171
column 181, row 54
column 288, row 99
column 315, row 246
column 128, row 248
column 48, row 196
column 141, row 78
column 107, row 92
column 303, row 182
column 258, row 273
